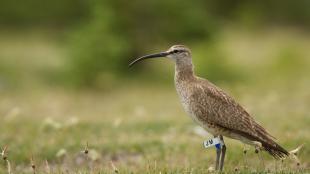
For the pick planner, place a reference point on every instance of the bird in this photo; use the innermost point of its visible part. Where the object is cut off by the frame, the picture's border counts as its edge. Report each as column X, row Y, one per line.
column 213, row 109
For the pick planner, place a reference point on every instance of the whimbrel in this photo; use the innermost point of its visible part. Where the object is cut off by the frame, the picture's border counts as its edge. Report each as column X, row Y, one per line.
column 214, row 110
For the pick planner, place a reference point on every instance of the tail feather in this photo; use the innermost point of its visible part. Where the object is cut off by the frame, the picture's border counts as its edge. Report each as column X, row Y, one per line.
column 275, row 150
column 279, row 152
column 270, row 145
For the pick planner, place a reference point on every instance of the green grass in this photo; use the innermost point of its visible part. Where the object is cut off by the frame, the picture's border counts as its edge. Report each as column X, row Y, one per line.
column 140, row 129
column 143, row 128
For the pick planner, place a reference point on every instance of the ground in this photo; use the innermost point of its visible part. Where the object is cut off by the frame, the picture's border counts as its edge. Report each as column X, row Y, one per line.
column 138, row 128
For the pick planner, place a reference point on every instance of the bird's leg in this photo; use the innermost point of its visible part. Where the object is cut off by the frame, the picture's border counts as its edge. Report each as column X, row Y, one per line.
column 218, row 154
column 222, row 153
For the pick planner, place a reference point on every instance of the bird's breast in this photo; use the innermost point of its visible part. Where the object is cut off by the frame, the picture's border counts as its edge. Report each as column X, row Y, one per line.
column 185, row 95
column 197, row 111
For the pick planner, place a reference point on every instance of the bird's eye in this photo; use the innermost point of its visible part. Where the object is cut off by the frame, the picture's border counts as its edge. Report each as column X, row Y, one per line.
column 175, row 51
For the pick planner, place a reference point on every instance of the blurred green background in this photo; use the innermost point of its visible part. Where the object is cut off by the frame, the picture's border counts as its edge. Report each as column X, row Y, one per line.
column 89, row 43
column 67, row 59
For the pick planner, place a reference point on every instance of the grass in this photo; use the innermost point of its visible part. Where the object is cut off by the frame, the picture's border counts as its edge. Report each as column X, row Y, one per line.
column 142, row 128
column 152, row 134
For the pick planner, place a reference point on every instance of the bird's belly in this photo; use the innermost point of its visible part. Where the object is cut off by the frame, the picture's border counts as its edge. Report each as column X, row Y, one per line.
column 210, row 128
column 184, row 96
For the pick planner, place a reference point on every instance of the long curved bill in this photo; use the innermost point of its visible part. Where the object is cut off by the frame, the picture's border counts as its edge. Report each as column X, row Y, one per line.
column 157, row 55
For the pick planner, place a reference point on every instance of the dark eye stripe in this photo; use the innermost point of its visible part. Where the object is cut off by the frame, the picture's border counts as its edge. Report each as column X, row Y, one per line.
column 177, row 51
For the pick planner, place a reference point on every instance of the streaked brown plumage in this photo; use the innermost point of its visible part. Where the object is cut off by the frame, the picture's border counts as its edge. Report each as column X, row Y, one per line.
column 219, row 114
column 212, row 108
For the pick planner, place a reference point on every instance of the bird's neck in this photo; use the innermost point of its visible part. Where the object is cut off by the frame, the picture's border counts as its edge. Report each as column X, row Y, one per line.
column 184, row 70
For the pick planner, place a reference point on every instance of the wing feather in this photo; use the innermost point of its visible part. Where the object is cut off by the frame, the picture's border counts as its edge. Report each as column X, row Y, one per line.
column 222, row 110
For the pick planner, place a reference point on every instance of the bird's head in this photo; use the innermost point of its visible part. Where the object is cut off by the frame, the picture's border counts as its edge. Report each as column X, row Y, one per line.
column 177, row 53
